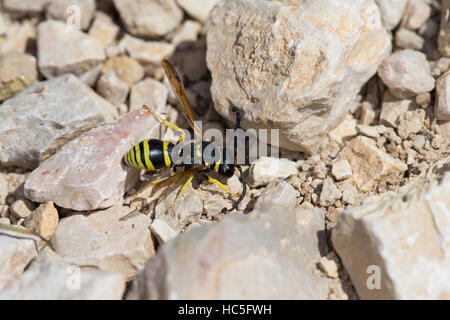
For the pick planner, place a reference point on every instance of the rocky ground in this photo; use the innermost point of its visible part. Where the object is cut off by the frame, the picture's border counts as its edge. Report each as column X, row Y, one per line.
column 357, row 206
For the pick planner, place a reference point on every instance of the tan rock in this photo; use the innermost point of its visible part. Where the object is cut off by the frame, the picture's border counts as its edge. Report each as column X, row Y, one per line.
column 213, row 205
column 112, row 88
column 17, row 71
column 391, row 11
column 113, row 240
column 329, row 266
column 396, row 246
column 188, row 32
column 162, row 231
column 282, row 64
column 43, row 220
column 369, row 164
column 104, row 29
column 329, row 194
column 149, row 92
column 408, row 39
column 341, row 170
column 21, row 208
column 344, row 131
column 127, row 69
column 416, row 14
column 392, row 108
column 18, row 36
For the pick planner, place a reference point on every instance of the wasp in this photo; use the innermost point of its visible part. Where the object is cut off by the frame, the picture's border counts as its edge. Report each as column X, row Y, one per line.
column 154, row 154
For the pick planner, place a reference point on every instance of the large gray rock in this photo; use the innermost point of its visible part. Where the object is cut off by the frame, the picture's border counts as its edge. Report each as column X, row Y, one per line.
column 266, row 255
column 398, row 247
column 50, row 278
column 113, row 240
column 295, row 68
column 46, row 115
column 88, row 172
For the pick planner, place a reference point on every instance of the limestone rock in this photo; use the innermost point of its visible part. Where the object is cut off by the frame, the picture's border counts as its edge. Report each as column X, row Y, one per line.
column 21, row 208
column 276, row 256
column 266, row 169
column 369, row 164
column 408, row 39
column 407, row 73
column 112, row 88
column 188, row 32
column 112, row 240
column 50, row 278
column 43, row 220
column 88, row 173
column 149, row 92
column 149, row 18
column 391, row 11
column 17, row 71
column 63, row 10
column 15, row 254
column 104, row 29
column 63, row 49
column 277, row 193
column 162, row 231
column 397, row 247
column 392, row 109
column 147, row 53
column 416, row 14
column 199, row 9
column 127, row 69
column 442, row 104
column 344, row 131
column 46, row 115
column 18, row 36
column 24, row 7
column 213, row 205
column 295, row 68
column 329, row 194
column 341, row 170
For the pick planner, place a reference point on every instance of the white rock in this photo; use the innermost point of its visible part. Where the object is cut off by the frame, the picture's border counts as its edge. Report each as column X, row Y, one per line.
column 64, row 10
column 46, row 115
column 407, row 73
column 63, row 49
column 266, row 169
column 344, row 131
column 391, row 11
column 341, row 170
column 213, row 205
column 295, row 68
column 275, row 259
column 199, row 9
column 329, row 266
column 416, row 14
column 50, row 278
column 15, row 254
column 112, row 88
column 162, row 231
column 408, row 39
column 277, row 193
column 87, row 173
column 368, row 131
column 442, row 104
column 127, row 69
column 369, row 164
column 149, row 18
column 398, row 247
column 114, row 240
column 149, row 92
column 17, row 37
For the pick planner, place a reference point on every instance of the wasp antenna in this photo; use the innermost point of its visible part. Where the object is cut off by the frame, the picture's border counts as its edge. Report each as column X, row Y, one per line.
column 238, row 116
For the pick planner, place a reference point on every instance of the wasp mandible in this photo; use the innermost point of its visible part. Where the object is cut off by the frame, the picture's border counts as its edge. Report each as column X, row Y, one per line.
column 155, row 154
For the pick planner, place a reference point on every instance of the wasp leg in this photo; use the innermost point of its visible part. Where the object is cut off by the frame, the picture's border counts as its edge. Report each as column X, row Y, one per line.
column 168, row 124
column 16, row 230
column 222, row 186
column 186, row 184
column 148, row 186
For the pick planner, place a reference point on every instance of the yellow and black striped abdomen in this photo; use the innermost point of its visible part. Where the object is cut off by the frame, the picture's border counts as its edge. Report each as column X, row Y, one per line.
column 150, row 154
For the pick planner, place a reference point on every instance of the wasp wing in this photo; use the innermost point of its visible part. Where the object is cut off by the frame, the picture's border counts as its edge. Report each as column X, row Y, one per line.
column 180, row 92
